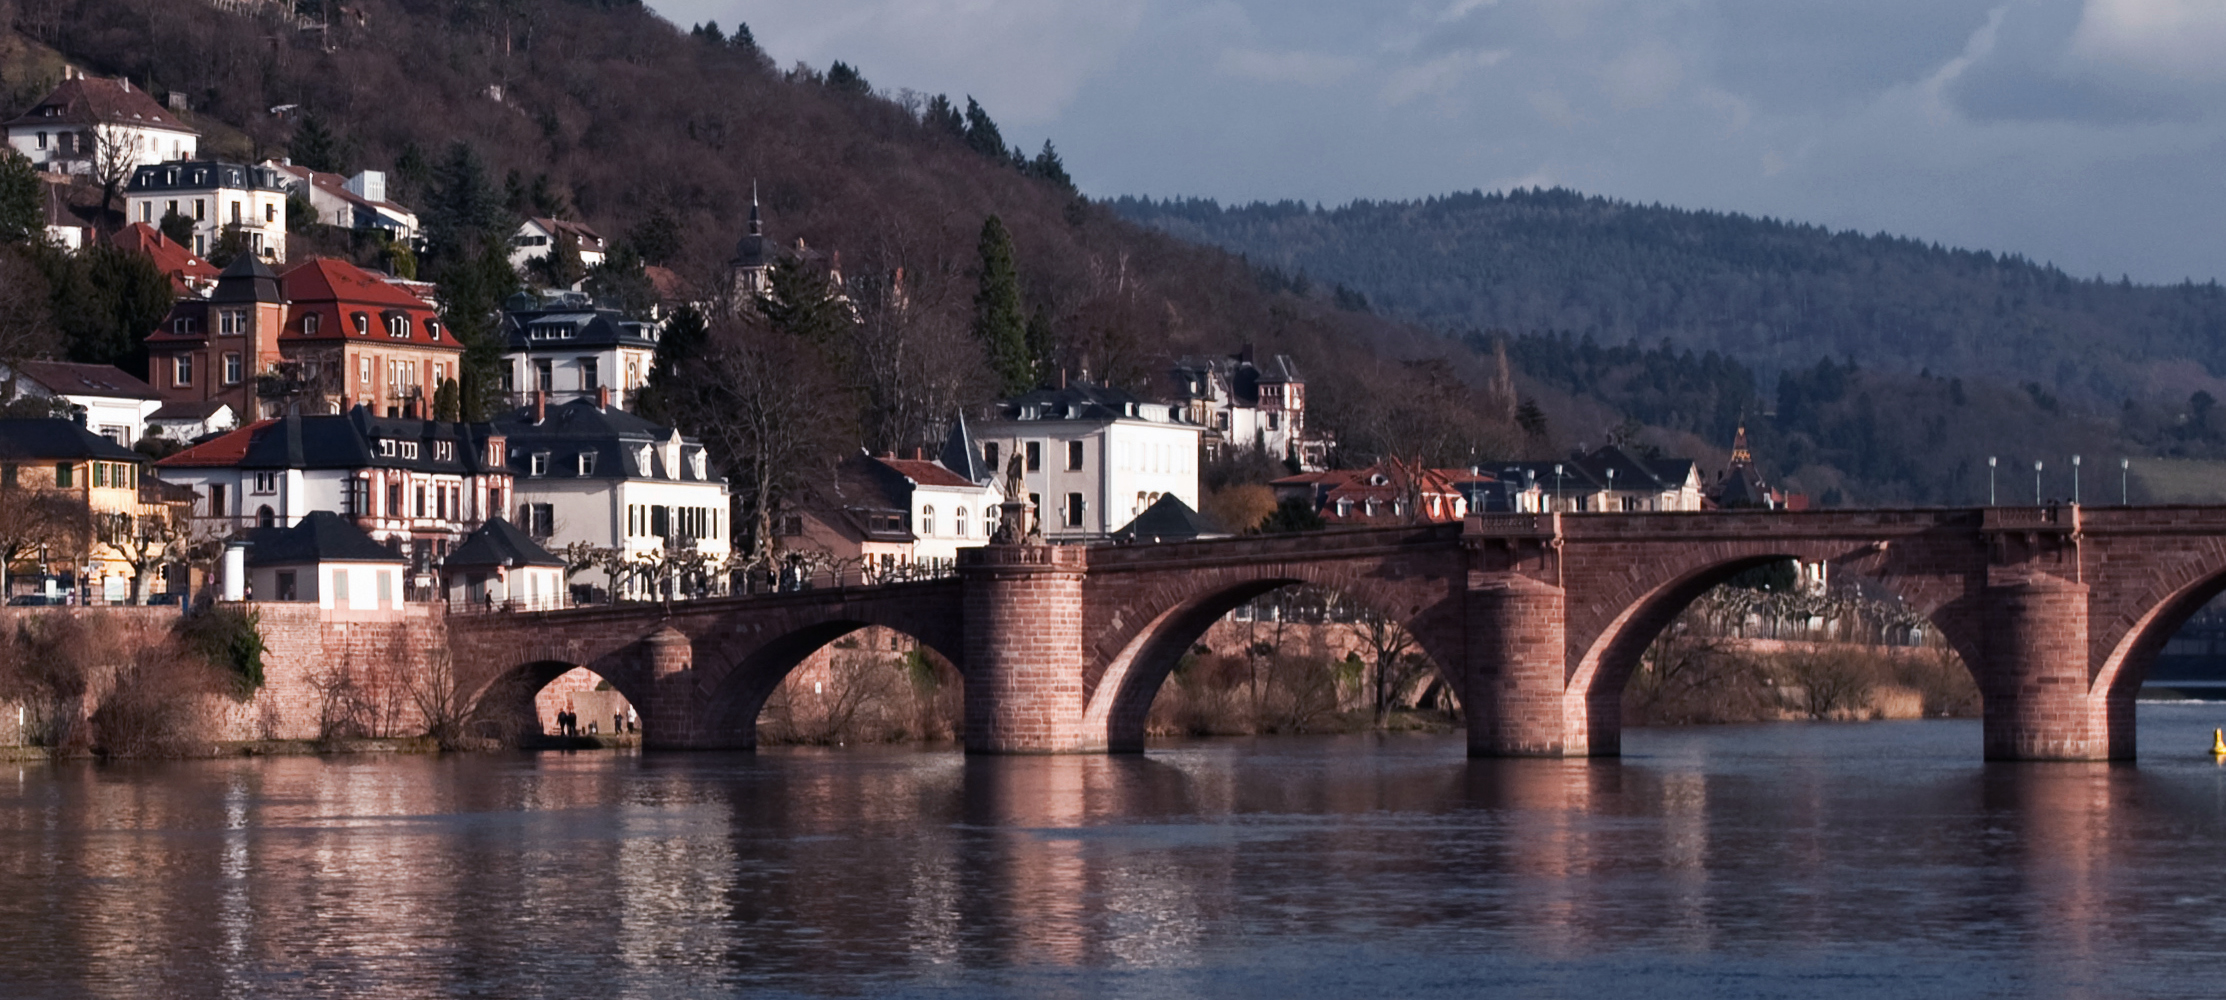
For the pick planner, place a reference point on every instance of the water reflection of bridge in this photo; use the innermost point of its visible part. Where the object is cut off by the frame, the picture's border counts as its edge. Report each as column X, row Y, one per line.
column 1537, row 620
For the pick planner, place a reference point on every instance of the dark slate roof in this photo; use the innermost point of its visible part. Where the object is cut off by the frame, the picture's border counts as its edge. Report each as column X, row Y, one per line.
column 500, row 543
column 323, row 536
column 343, row 441
column 1079, row 401
column 613, row 436
column 1169, row 520
column 247, row 279
column 94, row 101
column 569, row 322
column 31, row 438
column 69, row 378
column 183, row 409
column 864, row 498
column 961, row 455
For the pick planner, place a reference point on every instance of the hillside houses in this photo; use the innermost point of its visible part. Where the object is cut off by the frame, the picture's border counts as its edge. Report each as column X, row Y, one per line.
column 66, row 130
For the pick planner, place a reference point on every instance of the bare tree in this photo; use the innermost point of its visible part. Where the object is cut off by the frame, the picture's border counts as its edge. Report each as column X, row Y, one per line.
column 145, row 543
column 33, row 519
column 116, row 153
column 1386, row 643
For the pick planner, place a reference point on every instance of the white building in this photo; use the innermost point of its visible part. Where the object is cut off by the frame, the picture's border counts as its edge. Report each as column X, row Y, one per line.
column 218, row 197
column 327, row 561
column 63, row 132
column 1092, row 458
column 357, row 202
column 116, row 405
column 564, row 347
column 1247, row 406
column 415, row 486
column 595, row 474
column 191, row 419
column 538, row 236
column 497, row 566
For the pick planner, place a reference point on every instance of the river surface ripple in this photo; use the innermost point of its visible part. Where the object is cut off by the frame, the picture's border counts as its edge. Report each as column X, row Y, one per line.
column 1841, row 860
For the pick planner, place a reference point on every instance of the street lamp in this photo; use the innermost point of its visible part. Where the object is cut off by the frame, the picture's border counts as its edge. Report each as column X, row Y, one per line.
column 2075, row 480
column 2124, row 498
column 2036, row 482
column 1611, row 489
column 1557, row 485
column 1990, row 463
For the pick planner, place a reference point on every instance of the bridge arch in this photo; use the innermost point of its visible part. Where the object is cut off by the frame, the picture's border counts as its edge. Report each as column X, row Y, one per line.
column 2132, row 634
column 746, row 677
column 1601, row 667
column 503, row 706
column 1134, row 651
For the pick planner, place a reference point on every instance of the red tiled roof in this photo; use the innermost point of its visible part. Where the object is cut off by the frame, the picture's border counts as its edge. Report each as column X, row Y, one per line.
column 171, row 258
column 219, row 452
column 93, row 101
column 925, row 473
column 335, row 291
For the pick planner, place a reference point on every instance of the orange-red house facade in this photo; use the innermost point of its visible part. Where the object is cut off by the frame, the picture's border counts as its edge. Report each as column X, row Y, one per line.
column 322, row 338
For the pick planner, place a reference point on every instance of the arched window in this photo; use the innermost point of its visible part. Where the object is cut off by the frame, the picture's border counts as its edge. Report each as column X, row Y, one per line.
column 927, row 521
column 265, row 517
column 1344, row 508
column 958, row 522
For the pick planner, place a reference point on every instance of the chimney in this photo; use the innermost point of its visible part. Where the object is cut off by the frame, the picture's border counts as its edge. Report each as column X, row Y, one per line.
column 603, row 398
column 540, row 407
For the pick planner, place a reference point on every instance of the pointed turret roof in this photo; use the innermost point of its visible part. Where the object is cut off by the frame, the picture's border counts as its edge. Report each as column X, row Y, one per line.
column 753, row 249
column 247, row 279
column 961, row 455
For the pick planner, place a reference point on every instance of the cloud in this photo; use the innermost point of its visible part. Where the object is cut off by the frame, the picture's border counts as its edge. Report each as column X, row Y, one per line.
column 2175, row 39
column 1312, row 68
column 1437, row 76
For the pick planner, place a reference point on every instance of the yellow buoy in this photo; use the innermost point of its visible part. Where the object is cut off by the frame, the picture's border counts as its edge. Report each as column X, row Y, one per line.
column 2218, row 742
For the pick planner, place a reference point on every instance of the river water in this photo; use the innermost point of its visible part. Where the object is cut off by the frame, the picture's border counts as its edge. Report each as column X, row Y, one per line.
column 1844, row 860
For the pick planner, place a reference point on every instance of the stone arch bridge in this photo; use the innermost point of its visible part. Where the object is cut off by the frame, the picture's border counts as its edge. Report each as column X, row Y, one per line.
column 1538, row 619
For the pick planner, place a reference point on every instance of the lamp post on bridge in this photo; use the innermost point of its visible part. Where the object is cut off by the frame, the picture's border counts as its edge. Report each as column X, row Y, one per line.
column 2075, row 480
column 1611, row 488
column 2036, row 482
column 1557, row 485
column 2124, row 498
column 1990, row 463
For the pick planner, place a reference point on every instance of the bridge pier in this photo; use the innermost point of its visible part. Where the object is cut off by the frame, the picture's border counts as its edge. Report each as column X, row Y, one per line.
column 670, row 719
column 2039, row 702
column 1023, row 647
column 1517, row 673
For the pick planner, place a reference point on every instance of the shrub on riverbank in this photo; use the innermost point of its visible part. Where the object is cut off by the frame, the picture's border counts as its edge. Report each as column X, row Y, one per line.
column 1685, row 680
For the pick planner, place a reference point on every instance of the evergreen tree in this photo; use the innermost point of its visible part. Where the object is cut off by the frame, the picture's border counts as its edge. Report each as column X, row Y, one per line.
column 1043, row 344
column 742, row 39
column 1292, row 515
column 685, row 337
column 709, row 32
column 656, row 238
column 981, row 133
column 997, row 314
column 22, row 200
column 462, row 214
column 801, row 300
column 105, row 300
column 448, row 401
column 472, row 291
column 1046, row 166
column 413, row 175
column 314, row 146
column 843, row 78
column 945, row 117
column 618, row 282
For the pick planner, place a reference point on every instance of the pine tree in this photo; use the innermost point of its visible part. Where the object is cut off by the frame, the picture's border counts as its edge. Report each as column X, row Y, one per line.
column 943, row 116
column 981, row 133
column 472, row 291
column 22, row 200
column 802, row 301
column 843, row 78
column 997, row 314
column 684, row 340
column 1043, row 344
column 656, row 238
column 742, row 39
column 314, row 146
column 463, row 215
column 709, row 32
column 1046, row 166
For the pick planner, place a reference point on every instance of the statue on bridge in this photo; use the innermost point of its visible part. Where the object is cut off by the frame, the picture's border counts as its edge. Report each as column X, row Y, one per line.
column 1013, row 527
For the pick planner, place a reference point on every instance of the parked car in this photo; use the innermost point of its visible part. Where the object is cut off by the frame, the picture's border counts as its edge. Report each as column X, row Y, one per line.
column 164, row 598
column 35, row 600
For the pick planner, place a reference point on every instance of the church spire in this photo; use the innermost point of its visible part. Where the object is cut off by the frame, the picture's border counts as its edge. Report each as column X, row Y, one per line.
column 757, row 225
column 1739, row 454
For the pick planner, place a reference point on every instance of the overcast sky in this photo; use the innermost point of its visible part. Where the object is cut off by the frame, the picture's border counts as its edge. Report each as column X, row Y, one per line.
column 2086, row 132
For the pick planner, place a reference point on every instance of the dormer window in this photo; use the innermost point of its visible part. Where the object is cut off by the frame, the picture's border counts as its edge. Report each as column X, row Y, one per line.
column 310, row 324
column 362, row 323
column 444, row 451
column 397, row 324
column 539, row 464
column 642, row 460
column 386, row 447
column 584, row 464
column 409, row 450
column 697, row 466
column 432, row 329
column 1379, row 479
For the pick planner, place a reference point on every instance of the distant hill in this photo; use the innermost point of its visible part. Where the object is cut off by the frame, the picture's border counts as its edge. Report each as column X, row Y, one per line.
column 1770, row 294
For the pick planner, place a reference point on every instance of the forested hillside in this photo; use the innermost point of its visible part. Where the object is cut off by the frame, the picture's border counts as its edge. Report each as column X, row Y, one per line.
column 1773, row 295
column 484, row 111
